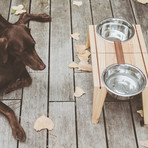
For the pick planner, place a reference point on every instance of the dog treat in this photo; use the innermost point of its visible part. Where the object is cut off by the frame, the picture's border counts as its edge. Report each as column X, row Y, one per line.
column 75, row 36
column 81, row 48
column 140, row 112
column 144, row 143
column 73, row 65
column 85, row 66
column 18, row 9
column 78, row 92
column 43, row 122
column 143, row 1
column 77, row 3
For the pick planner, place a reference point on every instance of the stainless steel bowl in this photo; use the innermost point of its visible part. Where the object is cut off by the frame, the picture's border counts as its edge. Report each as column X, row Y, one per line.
column 112, row 29
column 123, row 80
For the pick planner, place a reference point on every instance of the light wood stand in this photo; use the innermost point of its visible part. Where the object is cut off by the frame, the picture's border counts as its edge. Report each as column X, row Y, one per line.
column 103, row 55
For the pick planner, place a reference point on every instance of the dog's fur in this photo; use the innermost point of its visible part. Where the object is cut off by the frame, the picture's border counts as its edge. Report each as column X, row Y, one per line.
column 17, row 51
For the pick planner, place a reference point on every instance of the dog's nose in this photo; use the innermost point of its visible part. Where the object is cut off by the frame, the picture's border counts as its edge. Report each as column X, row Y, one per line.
column 42, row 67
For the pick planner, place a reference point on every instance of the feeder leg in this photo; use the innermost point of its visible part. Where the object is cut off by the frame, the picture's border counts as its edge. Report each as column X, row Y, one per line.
column 98, row 102
column 145, row 104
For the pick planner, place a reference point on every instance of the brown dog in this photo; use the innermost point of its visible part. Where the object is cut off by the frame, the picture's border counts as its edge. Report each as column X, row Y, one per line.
column 17, row 51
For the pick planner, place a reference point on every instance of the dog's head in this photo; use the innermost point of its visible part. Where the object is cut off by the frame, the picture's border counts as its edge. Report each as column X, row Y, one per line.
column 17, row 41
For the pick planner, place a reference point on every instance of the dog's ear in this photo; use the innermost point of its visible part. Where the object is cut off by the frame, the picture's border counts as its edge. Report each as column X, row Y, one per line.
column 3, row 50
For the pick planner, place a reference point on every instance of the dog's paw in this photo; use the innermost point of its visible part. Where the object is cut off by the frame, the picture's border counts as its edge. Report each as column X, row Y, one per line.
column 19, row 133
column 45, row 17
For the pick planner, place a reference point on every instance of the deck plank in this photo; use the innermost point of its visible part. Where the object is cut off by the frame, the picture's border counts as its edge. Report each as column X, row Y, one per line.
column 140, row 12
column 6, row 138
column 40, row 31
column 35, row 96
column 122, row 9
column 100, row 9
column 64, row 133
column 119, row 125
column 61, row 77
column 89, row 135
column 142, row 131
column 34, row 105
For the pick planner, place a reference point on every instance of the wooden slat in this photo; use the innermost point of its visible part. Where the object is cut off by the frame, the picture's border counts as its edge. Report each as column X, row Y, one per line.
column 100, row 10
column 142, row 132
column 89, row 135
column 140, row 12
column 7, row 140
column 40, row 31
column 61, row 77
column 34, row 105
column 63, row 116
column 119, row 125
column 12, row 17
column 122, row 9
column 4, row 7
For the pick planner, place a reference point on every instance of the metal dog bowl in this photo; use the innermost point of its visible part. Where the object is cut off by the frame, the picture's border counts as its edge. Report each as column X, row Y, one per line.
column 112, row 29
column 123, row 80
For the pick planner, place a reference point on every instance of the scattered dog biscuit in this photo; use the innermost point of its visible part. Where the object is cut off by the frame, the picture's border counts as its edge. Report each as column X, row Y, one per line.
column 18, row 9
column 43, row 122
column 81, row 48
column 77, row 3
column 78, row 92
column 85, row 66
column 73, row 65
column 143, row 1
column 140, row 112
column 75, row 36
column 144, row 143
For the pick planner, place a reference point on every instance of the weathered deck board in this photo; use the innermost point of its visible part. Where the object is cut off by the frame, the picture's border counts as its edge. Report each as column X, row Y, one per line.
column 100, row 9
column 81, row 19
column 141, row 131
column 122, row 9
column 119, row 125
column 34, row 105
column 89, row 135
column 6, row 138
column 63, row 116
column 140, row 12
column 26, row 3
column 4, row 8
column 40, row 31
column 61, row 77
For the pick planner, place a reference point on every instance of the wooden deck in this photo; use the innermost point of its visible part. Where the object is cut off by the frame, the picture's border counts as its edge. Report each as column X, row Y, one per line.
column 51, row 92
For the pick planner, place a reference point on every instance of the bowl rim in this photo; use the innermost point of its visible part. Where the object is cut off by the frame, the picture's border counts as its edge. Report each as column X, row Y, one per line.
column 128, row 65
column 114, row 18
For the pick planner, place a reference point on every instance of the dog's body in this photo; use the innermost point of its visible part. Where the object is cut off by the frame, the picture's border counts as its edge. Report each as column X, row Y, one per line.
column 17, row 51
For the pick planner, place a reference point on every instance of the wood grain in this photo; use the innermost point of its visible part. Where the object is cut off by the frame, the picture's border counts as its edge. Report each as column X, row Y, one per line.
column 63, row 116
column 7, row 140
column 120, row 131
column 89, row 135
column 34, row 105
column 61, row 77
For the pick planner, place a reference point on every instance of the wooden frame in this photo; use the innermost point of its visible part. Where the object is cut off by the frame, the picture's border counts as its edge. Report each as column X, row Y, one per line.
column 103, row 55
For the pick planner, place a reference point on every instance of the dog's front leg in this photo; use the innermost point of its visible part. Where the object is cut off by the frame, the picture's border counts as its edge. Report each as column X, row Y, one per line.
column 23, row 81
column 17, row 130
column 25, row 17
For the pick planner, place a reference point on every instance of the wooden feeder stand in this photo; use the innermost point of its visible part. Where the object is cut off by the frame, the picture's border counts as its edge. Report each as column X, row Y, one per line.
column 103, row 54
